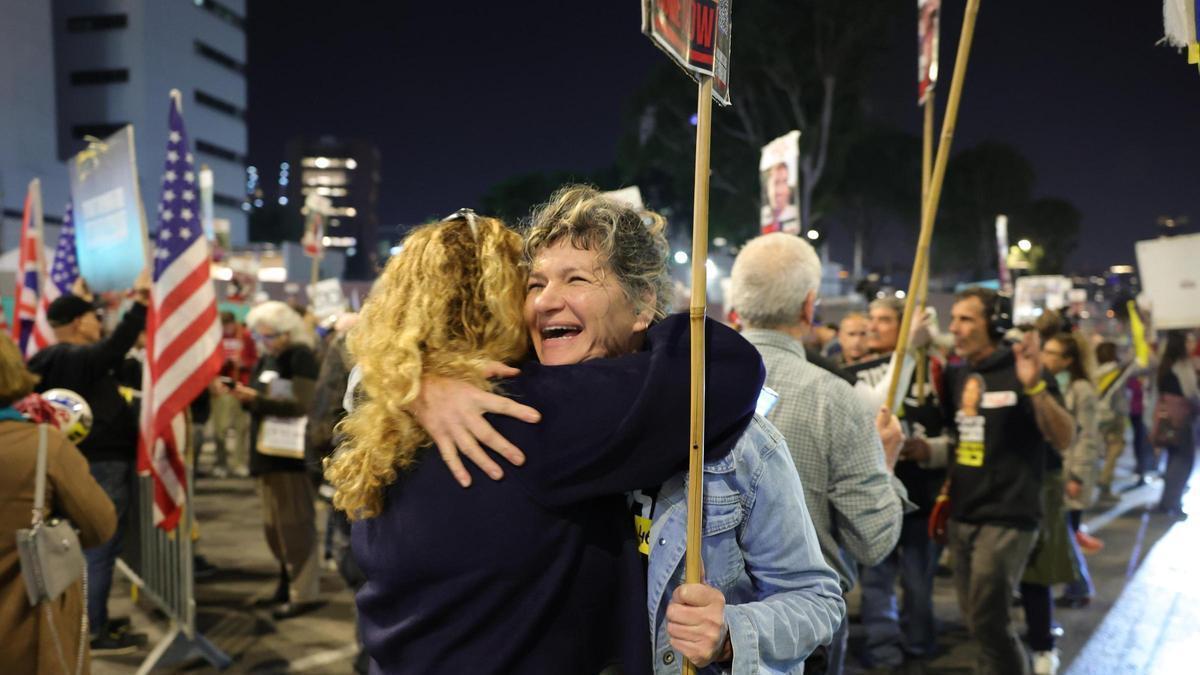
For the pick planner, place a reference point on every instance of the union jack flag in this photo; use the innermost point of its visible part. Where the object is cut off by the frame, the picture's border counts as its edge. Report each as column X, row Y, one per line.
column 29, row 267
column 64, row 270
column 183, row 333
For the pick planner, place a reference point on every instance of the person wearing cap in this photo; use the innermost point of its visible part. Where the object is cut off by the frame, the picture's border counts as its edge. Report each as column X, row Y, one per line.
column 85, row 361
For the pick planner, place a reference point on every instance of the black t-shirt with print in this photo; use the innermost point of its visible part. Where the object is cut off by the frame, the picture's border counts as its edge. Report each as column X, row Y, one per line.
column 1000, row 455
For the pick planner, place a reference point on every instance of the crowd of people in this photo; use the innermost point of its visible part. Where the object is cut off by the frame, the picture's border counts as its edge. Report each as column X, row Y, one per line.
column 502, row 434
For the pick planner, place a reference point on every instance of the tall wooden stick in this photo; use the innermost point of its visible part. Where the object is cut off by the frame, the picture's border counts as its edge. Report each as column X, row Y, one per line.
column 929, row 208
column 923, row 293
column 695, row 496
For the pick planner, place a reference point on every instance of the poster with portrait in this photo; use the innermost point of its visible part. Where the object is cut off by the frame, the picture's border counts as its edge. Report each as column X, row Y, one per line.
column 970, row 422
column 779, row 177
column 110, row 227
column 928, row 27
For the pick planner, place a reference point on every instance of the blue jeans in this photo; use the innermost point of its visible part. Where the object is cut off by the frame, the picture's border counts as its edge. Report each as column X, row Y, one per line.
column 1180, row 460
column 1142, row 450
column 116, row 479
column 889, row 637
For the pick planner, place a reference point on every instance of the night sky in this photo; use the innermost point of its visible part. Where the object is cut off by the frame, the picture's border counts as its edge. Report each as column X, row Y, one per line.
column 461, row 95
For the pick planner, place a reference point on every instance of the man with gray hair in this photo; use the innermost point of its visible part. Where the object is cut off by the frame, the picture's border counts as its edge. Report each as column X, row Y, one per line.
column 845, row 466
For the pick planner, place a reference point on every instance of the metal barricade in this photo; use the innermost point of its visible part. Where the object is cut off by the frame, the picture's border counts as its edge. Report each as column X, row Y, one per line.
column 166, row 578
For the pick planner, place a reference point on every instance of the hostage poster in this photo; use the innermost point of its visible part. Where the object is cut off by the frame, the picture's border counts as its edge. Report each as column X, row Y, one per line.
column 779, row 177
column 928, row 12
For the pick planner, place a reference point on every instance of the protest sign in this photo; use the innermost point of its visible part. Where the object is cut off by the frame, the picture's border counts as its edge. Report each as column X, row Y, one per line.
column 779, row 177
column 110, row 227
column 696, row 35
column 205, row 182
column 928, row 27
column 1168, row 272
column 1002, row 251
column 326, row 298
column 631, row 196
column 1036, row 294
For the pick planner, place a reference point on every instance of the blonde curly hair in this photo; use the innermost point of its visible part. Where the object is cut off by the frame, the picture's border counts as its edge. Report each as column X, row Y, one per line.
column 448, row 302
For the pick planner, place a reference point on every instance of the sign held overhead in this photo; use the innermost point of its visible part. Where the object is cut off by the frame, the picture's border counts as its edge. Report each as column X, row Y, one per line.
column 696, row 35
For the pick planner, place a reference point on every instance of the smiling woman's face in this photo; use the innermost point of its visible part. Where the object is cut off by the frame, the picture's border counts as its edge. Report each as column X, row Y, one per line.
column 576, row 309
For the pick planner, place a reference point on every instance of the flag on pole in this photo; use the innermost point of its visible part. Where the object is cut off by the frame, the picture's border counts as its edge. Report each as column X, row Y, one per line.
column 183, row 333
column 928, row 27
column 1181, row 26
column 29, row 267
column 57, row 282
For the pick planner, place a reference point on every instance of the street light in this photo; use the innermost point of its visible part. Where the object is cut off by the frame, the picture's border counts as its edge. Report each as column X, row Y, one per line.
column 1025, row 245
column 813, row 235
column 681, row 257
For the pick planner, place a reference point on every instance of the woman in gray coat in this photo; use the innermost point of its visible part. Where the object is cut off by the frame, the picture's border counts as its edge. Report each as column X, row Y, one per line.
column 1069, row 357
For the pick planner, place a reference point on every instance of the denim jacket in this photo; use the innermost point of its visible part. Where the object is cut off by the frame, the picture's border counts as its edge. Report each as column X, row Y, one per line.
column 760, row 550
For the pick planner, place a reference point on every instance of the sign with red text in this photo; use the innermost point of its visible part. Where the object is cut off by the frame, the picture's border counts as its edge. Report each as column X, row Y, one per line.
column 696, row 35
column 928, row 12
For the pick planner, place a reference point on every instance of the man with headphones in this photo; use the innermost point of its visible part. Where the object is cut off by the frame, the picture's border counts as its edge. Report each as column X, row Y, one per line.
column 995, row 450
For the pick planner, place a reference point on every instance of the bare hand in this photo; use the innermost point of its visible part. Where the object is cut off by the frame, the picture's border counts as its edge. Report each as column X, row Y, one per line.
column 451, row 412
column 920, row 334
column 696, row 623
column 916, row 450
column 1028, row 353
column 80, row 289
column 140, row 292
column 1074, row 488
column 890, row 434
column 243, row 393
column 218, row 388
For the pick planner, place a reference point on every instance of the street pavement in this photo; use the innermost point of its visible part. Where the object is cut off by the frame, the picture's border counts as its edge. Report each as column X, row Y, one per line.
column 1144, row 619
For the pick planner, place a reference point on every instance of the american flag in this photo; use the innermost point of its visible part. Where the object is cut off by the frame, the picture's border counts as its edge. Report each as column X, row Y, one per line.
column 29, row 267
column 183, row 334
column 64, row 270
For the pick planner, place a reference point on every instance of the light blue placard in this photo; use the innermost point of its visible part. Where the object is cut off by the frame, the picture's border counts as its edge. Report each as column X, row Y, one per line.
column 110, row 234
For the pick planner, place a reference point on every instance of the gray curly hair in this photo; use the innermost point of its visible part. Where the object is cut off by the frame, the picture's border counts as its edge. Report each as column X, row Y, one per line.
column 633, row 243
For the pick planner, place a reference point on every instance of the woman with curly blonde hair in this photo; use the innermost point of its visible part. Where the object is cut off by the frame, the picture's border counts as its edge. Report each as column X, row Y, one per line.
column 538, row 572
column 448, row 305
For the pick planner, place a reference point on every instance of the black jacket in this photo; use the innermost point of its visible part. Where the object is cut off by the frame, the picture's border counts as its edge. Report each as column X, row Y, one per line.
column 91, row 372
column 1000, row 456
column 539, row 572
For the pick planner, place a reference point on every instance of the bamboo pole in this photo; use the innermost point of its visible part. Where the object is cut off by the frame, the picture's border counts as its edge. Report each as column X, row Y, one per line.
column 923, row 294
column 695, row 495
column 929, row 208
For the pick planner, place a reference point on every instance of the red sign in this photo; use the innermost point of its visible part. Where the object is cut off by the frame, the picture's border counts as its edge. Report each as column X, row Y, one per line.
column 695, row 34
column 927, row 47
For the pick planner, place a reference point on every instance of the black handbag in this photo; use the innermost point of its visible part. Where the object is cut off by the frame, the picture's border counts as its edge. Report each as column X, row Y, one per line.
column 51, row 557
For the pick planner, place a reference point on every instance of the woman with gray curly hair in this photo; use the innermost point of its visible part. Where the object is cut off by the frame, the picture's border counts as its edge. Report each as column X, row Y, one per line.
column 278, row 398
column 597, row 282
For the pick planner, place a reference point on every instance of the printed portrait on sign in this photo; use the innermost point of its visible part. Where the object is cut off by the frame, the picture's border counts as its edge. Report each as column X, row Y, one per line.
column 779, row 179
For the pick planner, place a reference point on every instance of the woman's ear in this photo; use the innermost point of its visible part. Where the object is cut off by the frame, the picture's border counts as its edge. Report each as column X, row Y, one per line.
column 645, row 315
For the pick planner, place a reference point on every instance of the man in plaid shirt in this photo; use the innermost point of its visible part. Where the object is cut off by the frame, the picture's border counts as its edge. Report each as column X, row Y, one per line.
column 845, row 462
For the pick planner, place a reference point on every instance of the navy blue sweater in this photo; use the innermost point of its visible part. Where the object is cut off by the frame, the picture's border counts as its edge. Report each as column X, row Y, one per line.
column 539, row 572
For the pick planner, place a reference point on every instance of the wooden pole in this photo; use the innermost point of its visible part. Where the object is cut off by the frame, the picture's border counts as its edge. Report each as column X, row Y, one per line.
column 929, row 208
column 695, row 496
column 926, row 171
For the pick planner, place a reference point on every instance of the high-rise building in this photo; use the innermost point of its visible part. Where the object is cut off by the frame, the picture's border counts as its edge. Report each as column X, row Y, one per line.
column 346, row 171
column 89, row 67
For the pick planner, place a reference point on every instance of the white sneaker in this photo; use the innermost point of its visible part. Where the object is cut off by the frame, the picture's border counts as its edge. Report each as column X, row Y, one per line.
column 1045, row 663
